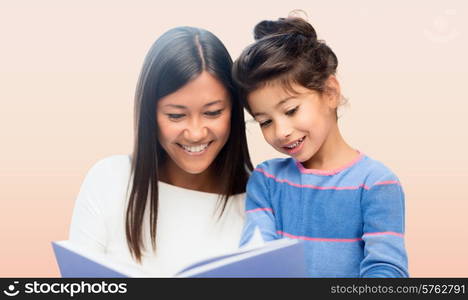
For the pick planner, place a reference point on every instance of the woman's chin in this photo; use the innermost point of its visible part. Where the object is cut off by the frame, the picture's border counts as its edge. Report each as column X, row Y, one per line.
column 193, row 167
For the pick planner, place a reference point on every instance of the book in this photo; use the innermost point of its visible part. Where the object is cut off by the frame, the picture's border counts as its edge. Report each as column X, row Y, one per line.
column 278, row 258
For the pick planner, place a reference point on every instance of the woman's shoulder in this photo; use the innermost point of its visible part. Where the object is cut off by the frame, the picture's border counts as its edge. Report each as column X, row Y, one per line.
column 113, row 161
column 111, row 164
column 109, row 171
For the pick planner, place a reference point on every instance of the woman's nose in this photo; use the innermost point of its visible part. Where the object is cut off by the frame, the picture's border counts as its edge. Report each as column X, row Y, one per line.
column 196, row 131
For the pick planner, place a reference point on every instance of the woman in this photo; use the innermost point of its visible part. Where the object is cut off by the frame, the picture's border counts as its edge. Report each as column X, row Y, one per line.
column 179, row 197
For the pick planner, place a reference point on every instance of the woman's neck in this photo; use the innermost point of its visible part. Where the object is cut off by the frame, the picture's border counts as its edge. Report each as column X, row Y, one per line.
column 333, row 154
column 172, row 174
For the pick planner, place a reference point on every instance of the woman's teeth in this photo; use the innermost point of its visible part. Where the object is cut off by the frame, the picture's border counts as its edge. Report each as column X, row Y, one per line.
column 296, row 143
column 195, row 149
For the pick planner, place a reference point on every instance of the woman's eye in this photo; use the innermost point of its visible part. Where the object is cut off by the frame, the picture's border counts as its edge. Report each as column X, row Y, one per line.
column 292, row 111
column 265, row 123
column 214, row 113
column 175, row 116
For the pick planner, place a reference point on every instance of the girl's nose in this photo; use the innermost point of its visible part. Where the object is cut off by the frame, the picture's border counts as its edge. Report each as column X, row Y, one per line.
column 283, row 130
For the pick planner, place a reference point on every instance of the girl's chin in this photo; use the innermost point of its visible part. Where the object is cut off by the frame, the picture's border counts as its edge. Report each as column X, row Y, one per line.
column 303, row 157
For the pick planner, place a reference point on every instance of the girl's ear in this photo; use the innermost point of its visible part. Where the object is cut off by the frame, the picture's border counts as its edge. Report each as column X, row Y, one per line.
column 332, row 92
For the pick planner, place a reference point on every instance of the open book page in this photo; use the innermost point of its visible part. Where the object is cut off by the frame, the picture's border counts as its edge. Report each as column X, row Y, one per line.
column 255, row 242
column 278, row 258
column 75, row 261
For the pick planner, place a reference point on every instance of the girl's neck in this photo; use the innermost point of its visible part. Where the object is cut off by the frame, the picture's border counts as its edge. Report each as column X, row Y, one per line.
column 172, row 174
column 333, row 154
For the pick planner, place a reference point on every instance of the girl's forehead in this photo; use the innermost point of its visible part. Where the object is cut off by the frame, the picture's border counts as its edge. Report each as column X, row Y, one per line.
column 280, row 89
column 275, row 93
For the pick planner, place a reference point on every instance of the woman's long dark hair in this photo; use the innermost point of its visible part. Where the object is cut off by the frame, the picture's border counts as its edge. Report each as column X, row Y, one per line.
column 177, row 57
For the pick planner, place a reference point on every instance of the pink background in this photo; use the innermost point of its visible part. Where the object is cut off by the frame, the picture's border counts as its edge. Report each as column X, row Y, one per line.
column 68, row 71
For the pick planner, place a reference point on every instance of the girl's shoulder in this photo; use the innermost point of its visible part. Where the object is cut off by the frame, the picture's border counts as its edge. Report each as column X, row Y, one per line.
column 277, row 166
column 367, row 171
column 375, row 172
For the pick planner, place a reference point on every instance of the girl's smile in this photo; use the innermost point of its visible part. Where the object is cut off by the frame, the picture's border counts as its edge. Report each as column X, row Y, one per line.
column 296, row 123
column 294, row 147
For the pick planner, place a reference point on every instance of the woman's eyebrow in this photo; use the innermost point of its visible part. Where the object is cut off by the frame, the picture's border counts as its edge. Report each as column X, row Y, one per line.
column 212, row 103
column 176, row 106
column 185, row 107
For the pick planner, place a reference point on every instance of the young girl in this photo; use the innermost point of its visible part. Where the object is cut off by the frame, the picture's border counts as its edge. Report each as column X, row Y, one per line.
column 346, row 206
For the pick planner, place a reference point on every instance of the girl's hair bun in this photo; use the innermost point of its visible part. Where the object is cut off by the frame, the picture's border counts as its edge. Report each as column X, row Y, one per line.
column 290, row 25
column 286, row 51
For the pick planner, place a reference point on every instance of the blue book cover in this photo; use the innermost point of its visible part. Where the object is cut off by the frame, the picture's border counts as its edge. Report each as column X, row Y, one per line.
column 279, row 258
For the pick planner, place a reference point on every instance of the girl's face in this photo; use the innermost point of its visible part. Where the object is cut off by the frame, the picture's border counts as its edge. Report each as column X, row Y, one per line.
column 294, row 124
column 194, row 123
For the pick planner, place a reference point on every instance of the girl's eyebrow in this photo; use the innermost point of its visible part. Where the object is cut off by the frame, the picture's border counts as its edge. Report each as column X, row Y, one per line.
column 276, row 106
column 185, row 107
column 284, row 100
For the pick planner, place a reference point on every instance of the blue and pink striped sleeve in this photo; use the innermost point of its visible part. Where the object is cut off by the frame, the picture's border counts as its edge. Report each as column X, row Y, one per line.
column 383, row 211
column 258, row 209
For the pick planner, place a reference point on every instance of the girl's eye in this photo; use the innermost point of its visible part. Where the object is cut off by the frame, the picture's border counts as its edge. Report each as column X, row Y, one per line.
column 265, row 123
column 175, row 116
column 214, row 113
column 292, row 111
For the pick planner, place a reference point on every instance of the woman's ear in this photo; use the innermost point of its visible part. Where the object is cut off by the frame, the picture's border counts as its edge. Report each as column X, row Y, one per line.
column 332, row 92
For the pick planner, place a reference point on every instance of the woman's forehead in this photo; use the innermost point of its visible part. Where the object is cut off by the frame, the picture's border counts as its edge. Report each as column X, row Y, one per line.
column 204, row 90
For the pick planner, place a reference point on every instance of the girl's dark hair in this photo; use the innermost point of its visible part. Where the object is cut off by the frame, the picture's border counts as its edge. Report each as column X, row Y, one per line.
column 286, row 51
column 177, row 57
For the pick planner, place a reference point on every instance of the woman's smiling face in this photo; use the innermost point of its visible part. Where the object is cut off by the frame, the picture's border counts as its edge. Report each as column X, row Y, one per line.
column 194, row 123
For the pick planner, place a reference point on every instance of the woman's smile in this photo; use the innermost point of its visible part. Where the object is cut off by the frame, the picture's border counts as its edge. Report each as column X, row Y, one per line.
column 197, row 149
